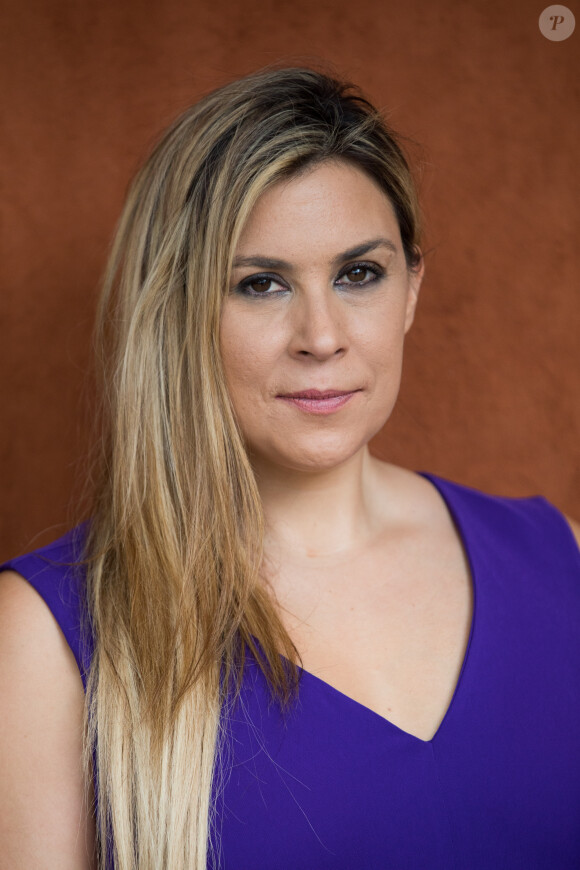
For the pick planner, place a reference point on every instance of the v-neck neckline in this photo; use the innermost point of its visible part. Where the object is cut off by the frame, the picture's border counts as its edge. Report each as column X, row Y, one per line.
column 441, row 488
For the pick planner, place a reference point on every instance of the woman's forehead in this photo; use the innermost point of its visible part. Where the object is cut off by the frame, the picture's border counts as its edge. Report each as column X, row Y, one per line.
column 334, row 206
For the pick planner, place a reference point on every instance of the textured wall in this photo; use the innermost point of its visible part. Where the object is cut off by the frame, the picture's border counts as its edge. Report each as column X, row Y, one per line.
column 490, row 387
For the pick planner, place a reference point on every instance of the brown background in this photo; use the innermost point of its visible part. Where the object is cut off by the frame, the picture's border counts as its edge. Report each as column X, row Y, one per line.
column 490, row 390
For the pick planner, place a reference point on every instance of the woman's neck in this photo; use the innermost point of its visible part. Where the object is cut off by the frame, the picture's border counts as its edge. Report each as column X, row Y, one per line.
column 324, row 513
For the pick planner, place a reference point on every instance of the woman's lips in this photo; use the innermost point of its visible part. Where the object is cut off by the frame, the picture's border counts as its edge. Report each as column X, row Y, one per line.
column 317, row 401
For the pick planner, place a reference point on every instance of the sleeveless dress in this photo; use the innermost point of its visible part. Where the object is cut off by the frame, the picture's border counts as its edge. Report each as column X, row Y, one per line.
column 331, row 785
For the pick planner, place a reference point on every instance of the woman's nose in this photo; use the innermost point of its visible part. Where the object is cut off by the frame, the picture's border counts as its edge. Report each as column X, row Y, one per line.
column 318, row 326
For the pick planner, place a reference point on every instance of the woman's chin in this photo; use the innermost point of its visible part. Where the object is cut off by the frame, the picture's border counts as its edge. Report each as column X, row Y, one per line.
column 310, row 458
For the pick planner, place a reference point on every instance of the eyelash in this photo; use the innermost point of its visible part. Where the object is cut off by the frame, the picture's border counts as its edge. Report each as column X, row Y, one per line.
column 245, row 289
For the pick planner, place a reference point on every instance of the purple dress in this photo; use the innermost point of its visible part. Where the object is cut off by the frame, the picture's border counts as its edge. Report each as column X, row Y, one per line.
column 334, row 785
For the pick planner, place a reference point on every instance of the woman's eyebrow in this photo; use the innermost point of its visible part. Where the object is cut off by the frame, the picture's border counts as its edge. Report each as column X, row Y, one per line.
column 259, row 262
column 364, row 248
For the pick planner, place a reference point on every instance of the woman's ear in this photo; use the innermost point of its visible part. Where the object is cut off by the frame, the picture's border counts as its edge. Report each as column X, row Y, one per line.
column 415, row 274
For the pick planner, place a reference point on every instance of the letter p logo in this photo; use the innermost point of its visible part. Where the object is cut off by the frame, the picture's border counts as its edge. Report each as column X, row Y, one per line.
column 557, row 23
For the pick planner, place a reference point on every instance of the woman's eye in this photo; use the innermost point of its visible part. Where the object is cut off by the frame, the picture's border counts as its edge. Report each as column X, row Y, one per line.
column 359, row 274
column 260, row 285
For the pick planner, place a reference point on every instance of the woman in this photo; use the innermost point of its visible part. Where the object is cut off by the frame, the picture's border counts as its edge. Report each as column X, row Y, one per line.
column 265, row 273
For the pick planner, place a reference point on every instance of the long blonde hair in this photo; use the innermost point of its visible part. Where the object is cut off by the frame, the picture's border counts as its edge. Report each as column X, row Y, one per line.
column 174, row 549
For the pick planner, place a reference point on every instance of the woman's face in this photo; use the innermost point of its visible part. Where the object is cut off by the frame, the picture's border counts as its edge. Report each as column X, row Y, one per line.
column 313, row 327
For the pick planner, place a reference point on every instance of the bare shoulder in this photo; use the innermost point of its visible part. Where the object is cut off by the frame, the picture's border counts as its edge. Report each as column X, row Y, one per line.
column 44, row 820
column 575, row 526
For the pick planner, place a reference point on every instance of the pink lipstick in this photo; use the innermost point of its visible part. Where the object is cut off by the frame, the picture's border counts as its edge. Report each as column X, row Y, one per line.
column 319, row 401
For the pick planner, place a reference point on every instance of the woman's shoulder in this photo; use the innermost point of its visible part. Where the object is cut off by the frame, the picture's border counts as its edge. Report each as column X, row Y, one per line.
column 48, row 583
column 59, row 553
column 29, row 631
column 41, row 736
column 527, row 522
column 574, row 528
column 533, row 510
column 534, row 506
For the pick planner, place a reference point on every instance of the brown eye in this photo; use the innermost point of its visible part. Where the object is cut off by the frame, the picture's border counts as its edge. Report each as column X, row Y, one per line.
column 356, row 274
column 360, row 275
column 259, row 285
